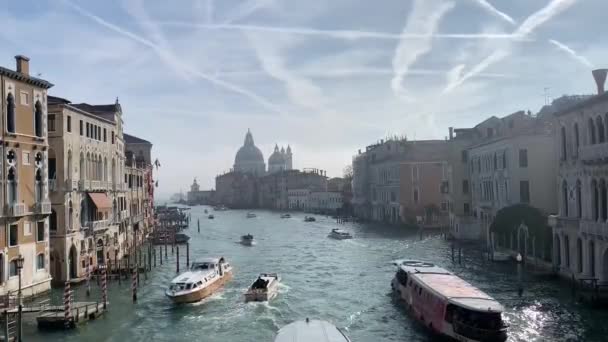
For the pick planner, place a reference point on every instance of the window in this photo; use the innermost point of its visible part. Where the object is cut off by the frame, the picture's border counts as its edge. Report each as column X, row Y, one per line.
column 523, row 158
column 466, row 208
column 524, row 191
column 10, row 113
column 81, row 129
column 464, row 156
column 51, row 125
column 98, row 133
column 24, row 98
column 88, row 130
column 26, row 158
column 112, row 137
column 27, row 228
column 69, row 124
column 105, row 138
column 444, row 206
column 416, row 196
column 40, row 261
column 13, row 239
column 465, row 186
column 13, row 269
column 490, row 132
column 415, row 172
column 504, row 160
column 563, row 140
column 40, row 231
column 38, row 131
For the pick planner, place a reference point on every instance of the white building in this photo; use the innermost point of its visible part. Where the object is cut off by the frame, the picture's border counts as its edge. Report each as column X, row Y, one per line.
column 324, row 201
column 298, row 198
column 580, row 230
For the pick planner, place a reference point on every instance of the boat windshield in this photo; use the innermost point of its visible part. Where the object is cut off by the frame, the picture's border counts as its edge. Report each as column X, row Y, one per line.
column 201, row 266
column 476, row 325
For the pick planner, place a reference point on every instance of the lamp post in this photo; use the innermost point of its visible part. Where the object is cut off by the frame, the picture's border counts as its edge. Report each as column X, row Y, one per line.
column 520, row 288
column 19, row 262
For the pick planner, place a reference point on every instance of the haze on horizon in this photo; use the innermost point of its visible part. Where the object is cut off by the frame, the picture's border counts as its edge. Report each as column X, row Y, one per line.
column 326, row 77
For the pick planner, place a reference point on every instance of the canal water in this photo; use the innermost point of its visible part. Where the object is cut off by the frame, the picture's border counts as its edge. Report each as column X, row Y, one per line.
column 346, row 282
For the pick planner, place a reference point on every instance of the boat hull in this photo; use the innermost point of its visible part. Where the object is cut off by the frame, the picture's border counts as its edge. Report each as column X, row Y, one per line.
column 196, row 296
column 247, row 242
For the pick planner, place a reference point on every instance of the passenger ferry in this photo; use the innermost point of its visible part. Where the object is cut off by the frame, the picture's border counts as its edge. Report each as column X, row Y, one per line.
column 264, row 288
column 311, row 331
column 339, row 234
column 203, row 279
column 447, row 304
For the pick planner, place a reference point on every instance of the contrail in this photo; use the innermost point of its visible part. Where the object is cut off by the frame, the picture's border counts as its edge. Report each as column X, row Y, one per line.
column 424, row 19
column 582, row 59
column 245, row 10
column 340, row 34
column 538, row 18
column 494, row 11
column 173, row 62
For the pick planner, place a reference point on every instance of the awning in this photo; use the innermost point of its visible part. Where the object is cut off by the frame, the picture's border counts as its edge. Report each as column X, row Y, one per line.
column 101, row 200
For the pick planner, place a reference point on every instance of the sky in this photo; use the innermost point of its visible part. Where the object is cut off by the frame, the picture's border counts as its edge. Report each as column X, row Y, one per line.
column 326, row 77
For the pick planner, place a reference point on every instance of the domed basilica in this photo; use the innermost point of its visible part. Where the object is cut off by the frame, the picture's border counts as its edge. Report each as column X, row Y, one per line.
column 249, row 158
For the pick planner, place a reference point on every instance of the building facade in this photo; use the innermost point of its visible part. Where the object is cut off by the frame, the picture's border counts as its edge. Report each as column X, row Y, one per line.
column 580, row 229
column 24, row 195
column 298, row 199
column 324, row 202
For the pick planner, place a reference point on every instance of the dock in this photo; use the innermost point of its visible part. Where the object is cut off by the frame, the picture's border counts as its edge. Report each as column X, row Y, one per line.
column 53, row 317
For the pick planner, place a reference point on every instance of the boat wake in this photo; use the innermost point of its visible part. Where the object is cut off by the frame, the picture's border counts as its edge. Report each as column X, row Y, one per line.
column 352, row 319
column 214, row 297
column 358, row 244
column 284, row 288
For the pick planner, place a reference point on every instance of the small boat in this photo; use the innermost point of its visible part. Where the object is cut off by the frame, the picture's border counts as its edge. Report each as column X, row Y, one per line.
column 247, row 240
column 285, row 216
column 181, row 238
column 311, row 330
column 211, row 217
column 203, row 279
column 339, row 234
column 206, row 211
column 447, row 304
column 263, row 289
column 251, row 215
column 309, row 219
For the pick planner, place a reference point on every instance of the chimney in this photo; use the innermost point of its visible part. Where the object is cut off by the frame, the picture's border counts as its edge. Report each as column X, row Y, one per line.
column 451, row 133
column 23, row 65
column 600, row 78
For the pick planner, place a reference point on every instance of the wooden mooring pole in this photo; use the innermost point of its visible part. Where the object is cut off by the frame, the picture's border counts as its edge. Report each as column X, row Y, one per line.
column 188, row 254
column 177, row 257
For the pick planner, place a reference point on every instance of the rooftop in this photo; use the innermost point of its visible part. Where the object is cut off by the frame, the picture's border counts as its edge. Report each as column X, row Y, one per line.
column 25, row 78
column 131, row 139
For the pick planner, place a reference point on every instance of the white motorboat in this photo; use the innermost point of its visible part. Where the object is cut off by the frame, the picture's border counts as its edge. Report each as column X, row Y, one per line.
column 247, row 240
column 311, row 330
column 340, row 234
column 251, row 215
column 204, row 278
column 309, row 219
column 264, row 288
column 285, row 216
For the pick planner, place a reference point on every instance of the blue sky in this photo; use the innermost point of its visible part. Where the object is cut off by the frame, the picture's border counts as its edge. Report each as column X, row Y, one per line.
column 327, row 77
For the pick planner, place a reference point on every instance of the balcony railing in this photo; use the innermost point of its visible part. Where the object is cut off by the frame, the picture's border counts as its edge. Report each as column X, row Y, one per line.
column 137, row 218
column 564, row 222
column 16, row 209
column 97, row 225
column 82, row 185
column 596, row 152
column 42, row 207
column 594, row 228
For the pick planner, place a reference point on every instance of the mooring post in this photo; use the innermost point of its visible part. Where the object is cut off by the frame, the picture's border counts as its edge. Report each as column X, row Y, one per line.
column 198, row 223
column 188, row 254
column 134, row 286
column 452, row 247
column 459, row 255
column 177, row 257
column 104, row 287
column 166, row 256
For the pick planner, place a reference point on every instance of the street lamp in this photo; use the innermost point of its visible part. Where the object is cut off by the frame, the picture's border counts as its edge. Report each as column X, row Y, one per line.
column 19, row 261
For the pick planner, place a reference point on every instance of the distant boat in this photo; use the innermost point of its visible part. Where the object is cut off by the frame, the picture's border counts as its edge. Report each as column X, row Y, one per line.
column 285, row 216
column 264, row 288
column 181, row 238
column 311, row 330
column 211, row 217
column 251, row 215
column 247, row 240
column 339, row 234
column 309, row 219
column 203, row 279
column 206, row 211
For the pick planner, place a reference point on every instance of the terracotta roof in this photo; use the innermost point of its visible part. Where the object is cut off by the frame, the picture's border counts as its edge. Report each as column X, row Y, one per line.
column 24, row 78
column 55, row 99
column 131, row 139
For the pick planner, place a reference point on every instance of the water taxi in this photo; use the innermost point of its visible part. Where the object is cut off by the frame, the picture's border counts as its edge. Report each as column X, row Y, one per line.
column 181, row 238
column 285, row 216
column 247, row 240
column 206, row 211
column 251, row 215
column 309, row 219
column 211, row 217
column 204, row 278
column 264, row 288
column 311, row 330
column 339, row 234
column 448, row 305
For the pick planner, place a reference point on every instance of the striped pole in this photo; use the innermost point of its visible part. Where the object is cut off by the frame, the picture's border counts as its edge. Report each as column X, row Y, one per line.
column 67, row 304
column 88, row 280
column 104, row 287
column 134, row 285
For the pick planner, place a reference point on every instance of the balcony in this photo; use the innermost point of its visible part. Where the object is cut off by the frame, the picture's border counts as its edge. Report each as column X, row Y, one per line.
column 97, row 225
column 595, row 228
column 82, row 185
column 97, row 185
column 42, row 208
column 16, row 209
column 119, row 187
column 137, row 218
column 597, row 153
column 570, row 223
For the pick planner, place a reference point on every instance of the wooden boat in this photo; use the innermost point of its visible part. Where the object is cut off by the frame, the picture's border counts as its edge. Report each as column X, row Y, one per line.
column 309, row 331
column 309, row 219
column 339, row 234
column 448, row 305
column 264, row 288
column 251, row 215
column 204, row 278
column 247, row 240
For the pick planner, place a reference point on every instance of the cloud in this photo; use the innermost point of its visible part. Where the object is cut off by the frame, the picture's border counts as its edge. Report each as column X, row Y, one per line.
column 581, row 59
column 338, row 34
column 175, row 63
column 494, row 11
column 535, row 20
column 423, row 20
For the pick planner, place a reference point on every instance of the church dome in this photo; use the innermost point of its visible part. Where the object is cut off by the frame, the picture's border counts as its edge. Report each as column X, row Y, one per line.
column 249, row 157
column 276, row 157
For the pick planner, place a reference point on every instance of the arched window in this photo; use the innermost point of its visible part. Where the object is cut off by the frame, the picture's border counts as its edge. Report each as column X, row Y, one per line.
column 70, row 216
column 38, row 119
column 40, row 261
column 579, row 199
column 591, row 132
column 576, row 138
column 105, row 169
column 83, row 214
column 563, row 143
column 10, row 113
column 601, row 134
column 13, row 272
column 565, row 198
column 603, row 200
column 39, row 186
column 12, row 185
column 579, row 255
column 53, row 221
column 82, row 166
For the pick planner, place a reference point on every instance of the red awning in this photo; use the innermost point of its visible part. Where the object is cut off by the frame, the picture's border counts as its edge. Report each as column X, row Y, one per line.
column 101, row 200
